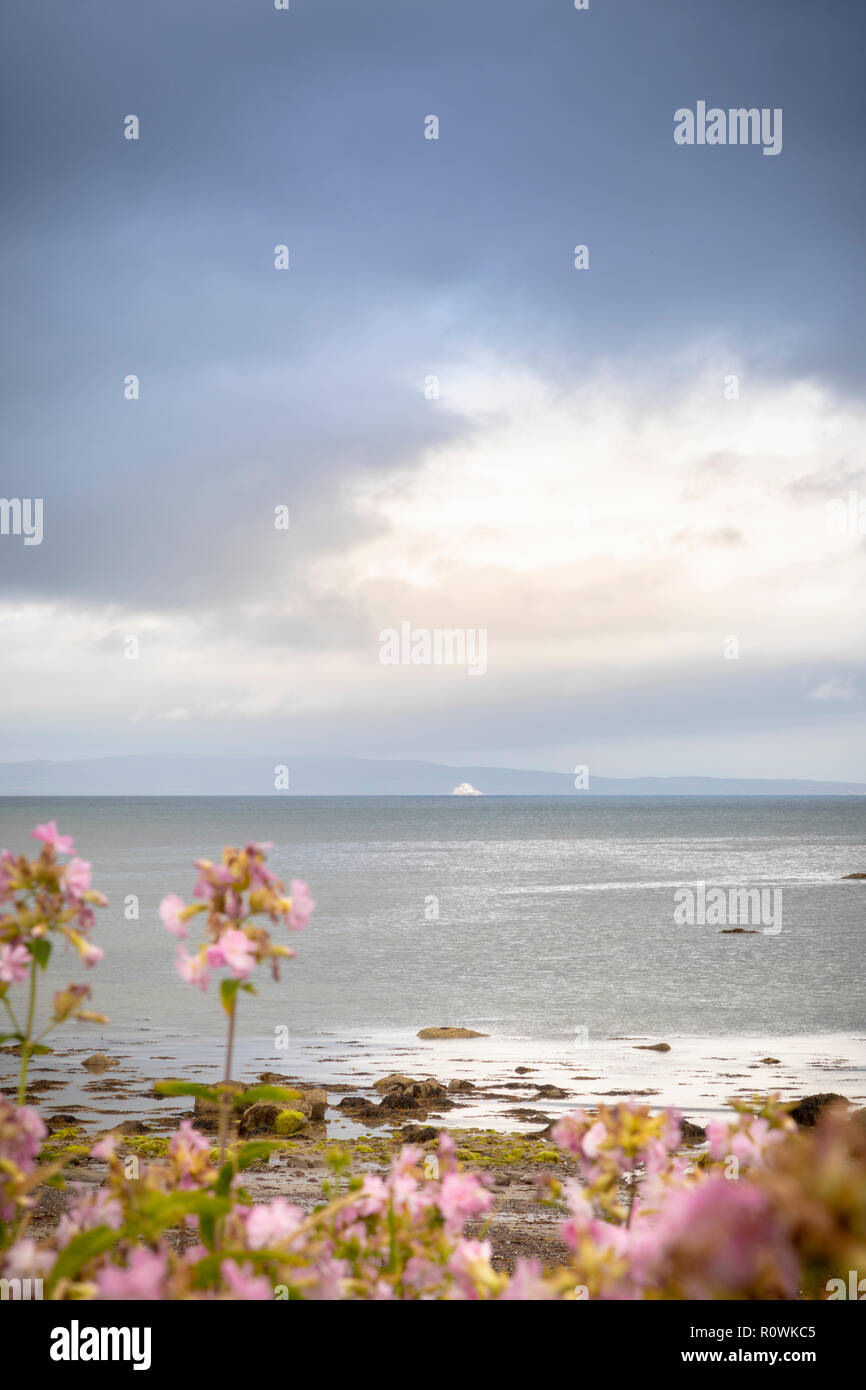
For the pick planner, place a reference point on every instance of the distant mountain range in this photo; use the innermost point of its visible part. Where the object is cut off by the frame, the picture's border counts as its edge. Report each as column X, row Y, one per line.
column 199, row 775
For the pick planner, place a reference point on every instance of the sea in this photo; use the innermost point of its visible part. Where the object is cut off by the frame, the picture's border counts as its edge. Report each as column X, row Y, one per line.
column 548, row 924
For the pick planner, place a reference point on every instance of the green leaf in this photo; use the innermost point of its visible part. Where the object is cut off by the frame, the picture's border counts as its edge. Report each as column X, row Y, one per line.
column 251, row 1153
column 186, row 1088
column 279, row 1093
column 40, row 951
column 35, row 1049
column 223, row 1184
column 78, row 1252
column 228, row 993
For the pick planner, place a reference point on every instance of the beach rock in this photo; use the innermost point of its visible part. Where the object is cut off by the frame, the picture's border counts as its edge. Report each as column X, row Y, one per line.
column 691, row 1133
column 317, row 1099
column 770, row 1061
column 521, row 1071
column 550, row 1093
column 809, row 1110
column 270, row 1117
column 418, row 1134
column 100, row 1062
column 356, row 1103
column 206, row 1112
column 394, row 1078
column 652, row 1047
column 130, row 1127
column 422, row 1091
column 61, row 1121
column 739, row 931
column 461, row 1086
column 428, row 1089
column 401, row 1099
column 272, row 1078
column 854, row 875
column 450, row 1033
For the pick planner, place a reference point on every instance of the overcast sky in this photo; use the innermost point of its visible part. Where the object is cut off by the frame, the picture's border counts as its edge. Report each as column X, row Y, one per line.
column 586, row 487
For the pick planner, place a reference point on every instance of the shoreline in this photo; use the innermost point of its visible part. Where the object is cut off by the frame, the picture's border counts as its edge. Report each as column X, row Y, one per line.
column 499, row 1110
column 501, row 1075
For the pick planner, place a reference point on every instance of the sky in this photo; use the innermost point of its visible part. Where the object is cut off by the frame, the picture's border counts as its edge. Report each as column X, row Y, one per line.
column 628, row 476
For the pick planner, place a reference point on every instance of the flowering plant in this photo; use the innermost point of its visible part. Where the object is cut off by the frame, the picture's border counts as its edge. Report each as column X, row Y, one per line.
column 41, row 897
column 235, row 893
column 646, row 1220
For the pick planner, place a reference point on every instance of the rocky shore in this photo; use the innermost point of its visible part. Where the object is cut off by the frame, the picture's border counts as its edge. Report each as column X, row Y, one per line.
column 368, row 1123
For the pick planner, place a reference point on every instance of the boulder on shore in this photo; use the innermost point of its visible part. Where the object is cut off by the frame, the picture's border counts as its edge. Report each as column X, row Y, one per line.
column 394, row 1078
column 854, row 875
column 692, row 1133
column 100, row 1062
column 808, row 1111
column 652, row 1047
column 450, row 1033
column 317, row 1099
column 206, row 1113
column 270, row 1117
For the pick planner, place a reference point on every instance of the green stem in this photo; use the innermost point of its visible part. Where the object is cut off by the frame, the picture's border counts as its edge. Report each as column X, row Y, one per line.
column 25, row 1046
column 15, row 1024
column 226, row 1096
column 631, row 1197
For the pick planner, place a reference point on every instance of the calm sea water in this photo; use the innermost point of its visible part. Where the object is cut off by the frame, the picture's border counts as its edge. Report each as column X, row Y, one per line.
column 554, row 914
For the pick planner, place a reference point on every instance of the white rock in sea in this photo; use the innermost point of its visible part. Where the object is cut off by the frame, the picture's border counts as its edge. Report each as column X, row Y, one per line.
column 466, row 789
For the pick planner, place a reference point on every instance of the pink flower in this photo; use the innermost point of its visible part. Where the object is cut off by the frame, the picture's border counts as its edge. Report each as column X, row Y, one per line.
column 593, row 1139
column 192, row 969
column 243, row 1283
column 469, row 1262
column 95, row 1208
column 581, row 1213
column 104, row 1147
column 141, row 1279
column 373, row 1197
column 302, row 905
column 460, row 1197
column 272, row 1223
column 719, row 1136
column 90, row 954
column 259, row 872
column 77, row 878
column 569, row 1132
column 25, row 1260
column 14, row 964
column 169, row 910
column 21, row 1135
column 7, row 875
column 527, row 1283
column 330, row 1273
column 210, row 877
column 722, row 1239
column 63, row 844
column 235, row 950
